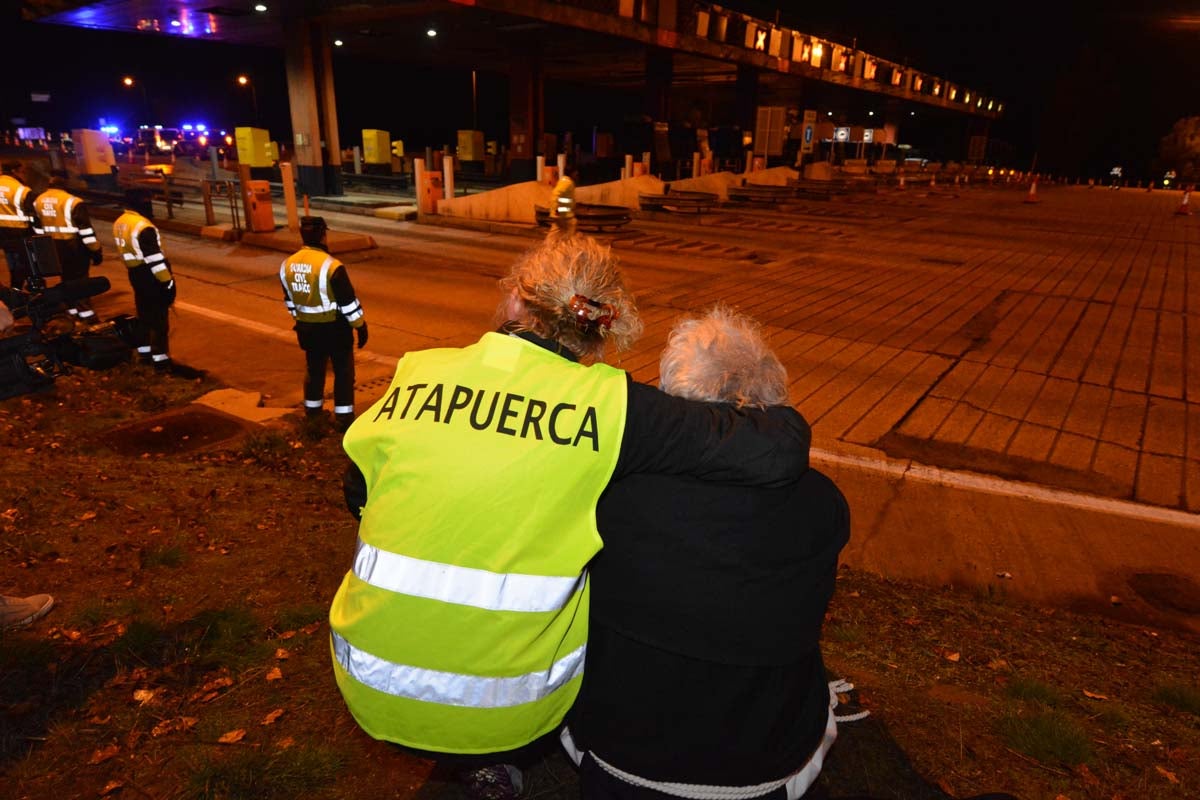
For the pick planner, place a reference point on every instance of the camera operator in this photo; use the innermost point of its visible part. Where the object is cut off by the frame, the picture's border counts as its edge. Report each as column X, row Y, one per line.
column 64, row 217
column 17, row 219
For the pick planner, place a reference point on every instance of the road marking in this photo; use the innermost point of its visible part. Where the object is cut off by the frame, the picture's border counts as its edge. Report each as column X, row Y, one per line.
column 987, row 484
column 282, row 334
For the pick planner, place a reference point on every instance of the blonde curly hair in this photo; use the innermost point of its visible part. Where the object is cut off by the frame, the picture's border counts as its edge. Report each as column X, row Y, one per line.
column 721, row 357
column 548, row 277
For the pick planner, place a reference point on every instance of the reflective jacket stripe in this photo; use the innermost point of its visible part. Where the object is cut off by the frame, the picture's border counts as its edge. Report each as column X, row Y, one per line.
column 352, row 311
column 464, row 586
column 453, row 688
column 18, row 199
column 155, row 258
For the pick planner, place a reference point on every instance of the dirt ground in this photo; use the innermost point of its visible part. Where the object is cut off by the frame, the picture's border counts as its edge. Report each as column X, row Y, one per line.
column 193, row 556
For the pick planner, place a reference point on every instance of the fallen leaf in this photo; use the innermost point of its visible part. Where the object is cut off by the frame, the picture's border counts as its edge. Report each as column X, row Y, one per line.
column 172, row 725
column 1166, row 773
column 145, row 696
column 998, row 664
column 276, row 674
column 269, row 719
column 1094, row 695
column 104, row 754
column 286, row 742
column 287, row 634
column 912, row 622
column 99, row 720
column 232, row 737
column 281, row 654
column 855, row 594
column 157, row 429
column 311, row 628
column 111, row 787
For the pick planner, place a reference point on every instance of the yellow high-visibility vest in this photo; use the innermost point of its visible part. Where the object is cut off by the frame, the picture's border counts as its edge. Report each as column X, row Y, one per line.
column 462, row 625
column 305, row 275
column 12, row 200
column 126, row 232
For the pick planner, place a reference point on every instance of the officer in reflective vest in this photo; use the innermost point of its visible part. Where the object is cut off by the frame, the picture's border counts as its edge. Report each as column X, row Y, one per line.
column 319, row 296
column 64, row 216
column 153, row 285
column 16, row 221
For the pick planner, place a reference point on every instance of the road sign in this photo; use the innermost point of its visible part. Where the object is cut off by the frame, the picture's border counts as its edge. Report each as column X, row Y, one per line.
column 841, row 134
column 810, row 129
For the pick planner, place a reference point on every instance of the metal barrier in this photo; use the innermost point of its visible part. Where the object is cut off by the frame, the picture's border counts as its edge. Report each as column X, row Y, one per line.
column 221, row 189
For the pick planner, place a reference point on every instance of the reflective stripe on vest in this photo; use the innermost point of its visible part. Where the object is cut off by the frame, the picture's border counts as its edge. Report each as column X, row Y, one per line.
column 463, row 624
column 54, row 207
column 12, row 198
column 311, row 302
column 463, row 585
column 455, row 689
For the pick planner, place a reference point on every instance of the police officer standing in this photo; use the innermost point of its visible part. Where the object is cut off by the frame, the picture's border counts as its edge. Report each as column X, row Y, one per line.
column 64, row 216
column 16, row 221
column 319, row 296
column 153, row 285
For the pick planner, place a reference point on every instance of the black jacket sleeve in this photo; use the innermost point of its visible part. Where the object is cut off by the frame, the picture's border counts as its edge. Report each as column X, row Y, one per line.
column 354, row 489
column 343, row 295
column 712, row 441
column 151, row 247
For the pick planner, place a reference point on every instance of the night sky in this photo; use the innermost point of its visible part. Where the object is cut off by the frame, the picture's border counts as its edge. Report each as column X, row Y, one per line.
column 1085, row 86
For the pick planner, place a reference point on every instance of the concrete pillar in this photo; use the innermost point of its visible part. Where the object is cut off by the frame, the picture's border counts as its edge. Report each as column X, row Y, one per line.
column 525, row 118
column 313, row 108
column 746, row 93
column 659, row 72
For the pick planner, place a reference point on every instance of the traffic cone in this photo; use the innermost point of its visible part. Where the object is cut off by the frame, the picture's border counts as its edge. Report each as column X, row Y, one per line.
column 1184, row 209
column 1032, row 196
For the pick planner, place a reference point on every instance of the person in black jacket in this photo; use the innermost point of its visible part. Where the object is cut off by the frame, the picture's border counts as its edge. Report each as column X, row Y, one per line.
column 704, row 670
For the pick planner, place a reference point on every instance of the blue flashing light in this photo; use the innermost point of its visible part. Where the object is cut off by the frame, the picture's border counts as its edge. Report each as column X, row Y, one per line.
column 158, row 127
column 110, row 129
column 201, row 127
column 187, row 127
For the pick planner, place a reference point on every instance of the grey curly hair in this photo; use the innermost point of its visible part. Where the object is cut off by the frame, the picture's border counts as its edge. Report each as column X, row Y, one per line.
column 721, row 357
column 547, row 277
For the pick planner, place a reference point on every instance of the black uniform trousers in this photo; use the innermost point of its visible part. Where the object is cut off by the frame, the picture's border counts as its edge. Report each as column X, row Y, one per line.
column 76, row 263
column 153, row 312
column 323, row 343
column 13, row 243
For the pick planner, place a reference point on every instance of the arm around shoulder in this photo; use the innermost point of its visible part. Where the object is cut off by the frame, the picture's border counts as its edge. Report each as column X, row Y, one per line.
column 712, row 441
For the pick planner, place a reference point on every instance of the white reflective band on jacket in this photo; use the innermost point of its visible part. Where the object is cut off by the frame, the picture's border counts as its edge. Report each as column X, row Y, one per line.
column 463, row 586
column 452, row 688
column 12, row 198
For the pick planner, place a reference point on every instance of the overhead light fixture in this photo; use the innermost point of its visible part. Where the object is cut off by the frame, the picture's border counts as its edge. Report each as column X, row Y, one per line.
column 432, row 32
column 175, row 23
column 260, row 8
column 338, row 43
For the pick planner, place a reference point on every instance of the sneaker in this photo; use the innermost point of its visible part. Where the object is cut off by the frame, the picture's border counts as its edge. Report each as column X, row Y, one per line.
column 18, row 611
column 495, row 782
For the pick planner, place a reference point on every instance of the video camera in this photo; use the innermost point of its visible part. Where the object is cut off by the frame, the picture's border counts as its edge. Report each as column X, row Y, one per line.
column 32, row 358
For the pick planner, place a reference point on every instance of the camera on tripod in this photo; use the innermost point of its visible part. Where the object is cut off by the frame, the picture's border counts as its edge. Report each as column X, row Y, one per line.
column 32, row 358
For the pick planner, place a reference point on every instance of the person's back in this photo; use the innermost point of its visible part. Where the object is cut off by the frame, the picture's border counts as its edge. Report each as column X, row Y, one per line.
column 703, row 664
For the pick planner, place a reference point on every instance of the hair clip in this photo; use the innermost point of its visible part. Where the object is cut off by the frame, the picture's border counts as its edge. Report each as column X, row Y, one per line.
column 590, row 315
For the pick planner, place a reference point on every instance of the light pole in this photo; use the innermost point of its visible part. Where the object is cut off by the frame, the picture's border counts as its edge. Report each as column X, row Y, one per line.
column 244, row 80
column 129, row 82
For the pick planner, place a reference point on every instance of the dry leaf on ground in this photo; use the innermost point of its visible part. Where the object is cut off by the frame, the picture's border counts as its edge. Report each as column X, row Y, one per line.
column 1166, row 773
column 1094, row 695
column 232, row 737
column 276, row 674
column 269, row 719
column 111, row 787
column 105, row 753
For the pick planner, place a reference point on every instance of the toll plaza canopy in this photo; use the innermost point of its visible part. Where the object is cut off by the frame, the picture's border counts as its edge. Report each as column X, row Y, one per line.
column 708, row 42
column 675, row 54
